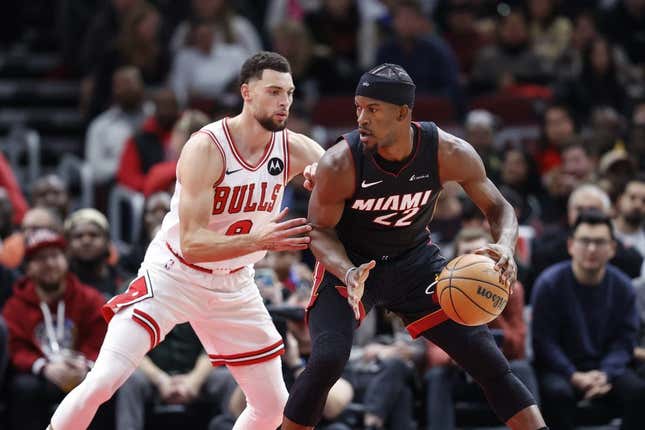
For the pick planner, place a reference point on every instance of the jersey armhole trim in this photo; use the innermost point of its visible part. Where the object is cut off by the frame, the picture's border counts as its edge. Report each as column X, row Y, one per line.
column 354, row 167
column 221, row 151
column 285, row 148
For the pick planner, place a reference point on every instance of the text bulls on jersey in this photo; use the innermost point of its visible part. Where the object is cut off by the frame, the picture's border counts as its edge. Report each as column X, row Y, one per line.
column 245, row 198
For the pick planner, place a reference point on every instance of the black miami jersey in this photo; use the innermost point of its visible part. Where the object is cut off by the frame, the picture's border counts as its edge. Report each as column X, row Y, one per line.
column 389, row 212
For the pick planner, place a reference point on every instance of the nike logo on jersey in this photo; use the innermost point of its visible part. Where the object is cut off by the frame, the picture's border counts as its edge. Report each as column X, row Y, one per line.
column 369, row 184
column 416, row 178
column 228, row 172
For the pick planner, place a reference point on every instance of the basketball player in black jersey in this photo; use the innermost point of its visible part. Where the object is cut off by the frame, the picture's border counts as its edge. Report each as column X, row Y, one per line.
column 374, row 195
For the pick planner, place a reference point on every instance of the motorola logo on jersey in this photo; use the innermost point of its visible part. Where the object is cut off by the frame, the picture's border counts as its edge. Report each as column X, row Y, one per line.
column 275, row 166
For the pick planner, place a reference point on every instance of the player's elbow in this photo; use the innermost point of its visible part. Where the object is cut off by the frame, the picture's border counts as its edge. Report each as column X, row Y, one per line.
column 189, row 246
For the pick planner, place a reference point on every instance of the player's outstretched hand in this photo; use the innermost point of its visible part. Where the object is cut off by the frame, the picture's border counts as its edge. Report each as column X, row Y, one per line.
column 355, row 283
column 310, row 176
column 279, row 235
column 505, row 263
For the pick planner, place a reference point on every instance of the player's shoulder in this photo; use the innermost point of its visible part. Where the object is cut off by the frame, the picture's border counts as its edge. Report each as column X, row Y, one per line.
column 338, row 158
column 453, row 146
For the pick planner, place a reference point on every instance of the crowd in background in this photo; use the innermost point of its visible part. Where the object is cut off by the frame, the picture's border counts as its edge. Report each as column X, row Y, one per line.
column 151, row 73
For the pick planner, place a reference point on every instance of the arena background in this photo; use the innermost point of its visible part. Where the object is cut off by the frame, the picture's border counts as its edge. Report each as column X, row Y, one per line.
column 98, row 96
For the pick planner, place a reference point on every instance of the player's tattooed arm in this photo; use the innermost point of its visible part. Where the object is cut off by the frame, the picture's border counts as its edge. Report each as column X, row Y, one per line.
column 335, row 182
column 459, row 162
column 303, row 152
column 200, row 168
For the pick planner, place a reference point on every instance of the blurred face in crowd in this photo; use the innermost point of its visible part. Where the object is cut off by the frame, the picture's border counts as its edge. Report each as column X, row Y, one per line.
column 576, row 162
column 269, row 98
column 461, row 20
column 515, row 168
column 584, row 31
column 127, row 88
column 591, row 247
column 157, row 206
column 281, row 262
column 480, row 136
column 38, row 218
column 204, row 36
column 50, row 192
column 469, row 246
column 600, row 56
column 47, row 268
column 166, row 108
column 540, row 9
column 147, row 28
column 631, row 204
column 406, row 22
column 88, row 242
column 558, row 126
column 585, row 200
column 513, row 30
column 208, row 9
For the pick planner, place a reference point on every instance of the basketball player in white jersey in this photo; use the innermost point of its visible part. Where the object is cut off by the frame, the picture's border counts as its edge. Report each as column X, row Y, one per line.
column 224, row 216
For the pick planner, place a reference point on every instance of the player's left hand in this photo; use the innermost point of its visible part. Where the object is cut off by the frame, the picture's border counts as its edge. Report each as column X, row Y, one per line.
column 310, row 176
column 505, row 263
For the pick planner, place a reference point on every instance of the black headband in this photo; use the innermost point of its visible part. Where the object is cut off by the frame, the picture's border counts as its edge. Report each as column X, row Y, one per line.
column 387, row 90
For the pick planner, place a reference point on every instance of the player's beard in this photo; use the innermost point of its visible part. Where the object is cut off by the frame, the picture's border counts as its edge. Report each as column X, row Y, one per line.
column 268, row 123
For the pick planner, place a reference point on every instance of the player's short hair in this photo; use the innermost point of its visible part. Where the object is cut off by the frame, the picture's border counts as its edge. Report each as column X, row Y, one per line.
column 593, row 217
column 263, row 60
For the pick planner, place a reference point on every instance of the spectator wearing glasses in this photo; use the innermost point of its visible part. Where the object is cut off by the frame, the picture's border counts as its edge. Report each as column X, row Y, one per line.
column 584, row 328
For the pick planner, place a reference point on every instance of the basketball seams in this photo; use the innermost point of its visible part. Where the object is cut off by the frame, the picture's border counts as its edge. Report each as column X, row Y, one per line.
column 473, row 301
column 474, row 263
column 454, row 308
column 492, row 284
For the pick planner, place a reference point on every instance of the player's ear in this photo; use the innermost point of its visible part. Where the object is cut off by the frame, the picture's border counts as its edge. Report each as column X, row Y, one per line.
column 245, row 91
column 403, row 112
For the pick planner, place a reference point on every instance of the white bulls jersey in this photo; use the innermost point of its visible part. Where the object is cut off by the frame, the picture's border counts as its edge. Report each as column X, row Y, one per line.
column 244, row 198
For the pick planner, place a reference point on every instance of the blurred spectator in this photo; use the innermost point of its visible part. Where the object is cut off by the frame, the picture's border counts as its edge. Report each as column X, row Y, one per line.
column 228, row 27
column 426, row 57
column 558, row 127
column 584, row 329
column 615, row 168
column 51, row 192
column 207, row 68
column 636, row 142
column 569, row 64
column 108, row 132
column 480, row 133
column 150, row 144
column 606, row 130
column 290, row 270
column 630, row 215
column 6, row 215
column 625, row 25
column 510, row 61
column 639, row 351
column 312, row 67
column 550, row 31
column 13, row 247
column 447, row 382
column 162, row 176
column 337, row 25
column 12, row 187
column 449, row 215
column 138, row 44
column 520, row 174
column 598, row 83
column 177, row 372
column 103, row 31
column 462, row 34
column 88, row 235
column 578, row 166
column 55, row 331
column 154, row 210
column 551, row 246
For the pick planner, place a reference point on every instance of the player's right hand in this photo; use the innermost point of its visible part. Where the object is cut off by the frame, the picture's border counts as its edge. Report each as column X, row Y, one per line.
column 278, row 235
column 356, row 286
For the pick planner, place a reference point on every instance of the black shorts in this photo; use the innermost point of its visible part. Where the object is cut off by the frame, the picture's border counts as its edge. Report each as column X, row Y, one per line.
column 403, row 285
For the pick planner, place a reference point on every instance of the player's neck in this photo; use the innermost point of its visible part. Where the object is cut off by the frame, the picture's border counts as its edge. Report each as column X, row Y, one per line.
column 401, row 149
column 247, row 132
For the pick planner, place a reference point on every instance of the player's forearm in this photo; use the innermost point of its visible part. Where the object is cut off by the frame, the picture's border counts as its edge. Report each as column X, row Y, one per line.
column 503, row 225
column 204, row 245
column 330, row 252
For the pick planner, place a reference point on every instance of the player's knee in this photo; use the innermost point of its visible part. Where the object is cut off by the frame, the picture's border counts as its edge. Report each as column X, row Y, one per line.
column 268, row 409
column 98, row 388
column 329, row 356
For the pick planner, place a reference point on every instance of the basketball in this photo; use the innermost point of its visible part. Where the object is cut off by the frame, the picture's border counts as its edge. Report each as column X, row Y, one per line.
column 469, row 291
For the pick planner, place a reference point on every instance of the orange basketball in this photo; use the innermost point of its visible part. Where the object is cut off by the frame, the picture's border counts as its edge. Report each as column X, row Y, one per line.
column 469, row 290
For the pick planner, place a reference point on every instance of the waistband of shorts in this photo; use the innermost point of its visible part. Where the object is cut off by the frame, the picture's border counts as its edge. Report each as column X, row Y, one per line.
column 183, row 261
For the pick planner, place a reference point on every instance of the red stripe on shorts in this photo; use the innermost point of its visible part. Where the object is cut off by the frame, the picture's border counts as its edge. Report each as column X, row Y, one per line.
column 417, row 327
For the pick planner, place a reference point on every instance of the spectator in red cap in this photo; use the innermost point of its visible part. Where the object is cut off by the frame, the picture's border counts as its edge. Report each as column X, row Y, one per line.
column 55, row 330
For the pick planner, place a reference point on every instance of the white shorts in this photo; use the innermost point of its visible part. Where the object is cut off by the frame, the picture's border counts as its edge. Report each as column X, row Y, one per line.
column 226, row 311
